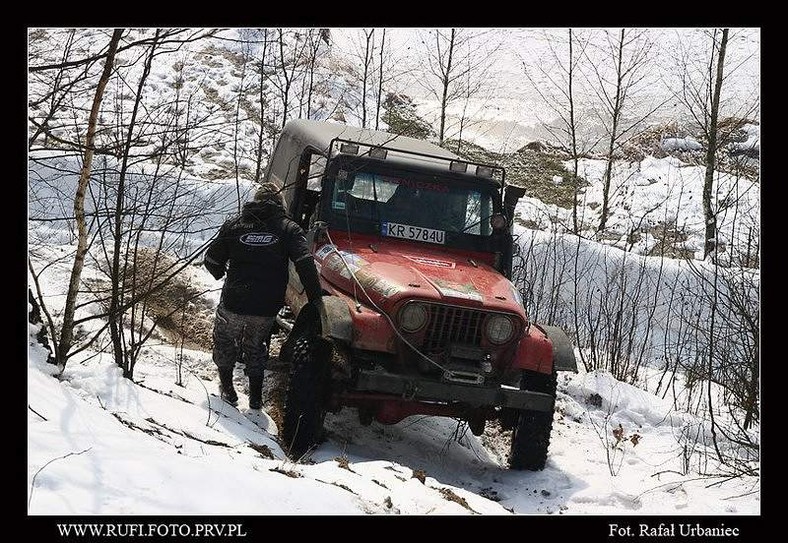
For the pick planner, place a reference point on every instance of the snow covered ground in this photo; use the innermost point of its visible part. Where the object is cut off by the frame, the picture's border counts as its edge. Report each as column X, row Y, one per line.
column 99, row 444
column 655, row 193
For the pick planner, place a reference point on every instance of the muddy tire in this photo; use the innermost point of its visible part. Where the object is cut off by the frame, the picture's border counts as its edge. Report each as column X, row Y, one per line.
column 531, row 435
column 305, row 399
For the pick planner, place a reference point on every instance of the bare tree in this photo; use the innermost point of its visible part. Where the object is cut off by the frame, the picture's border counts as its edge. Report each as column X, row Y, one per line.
column 109, row 220
column 625, row 311
column 710, row 219
column 702, row 76
column 369, row 52
column 64, row 344
column 117, row 269
column 291, row 51
column 315, row 38
column 263, row 103
column 455, row 68
column 142, row 208
column 572, row 124
column 57, row 91
column 381, row 72
column 372, row 69
column 59, row 82
column 617, row 79
column 561, row 72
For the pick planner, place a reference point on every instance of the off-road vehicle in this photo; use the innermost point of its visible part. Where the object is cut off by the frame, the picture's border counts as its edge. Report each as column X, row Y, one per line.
column 419, row 316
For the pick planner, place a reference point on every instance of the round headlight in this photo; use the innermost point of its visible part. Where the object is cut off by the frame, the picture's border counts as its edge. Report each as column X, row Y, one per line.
column 499, row 329
column 413, row 317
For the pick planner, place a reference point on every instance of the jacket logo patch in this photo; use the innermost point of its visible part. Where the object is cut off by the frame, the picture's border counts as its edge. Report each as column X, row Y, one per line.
column 259, row 239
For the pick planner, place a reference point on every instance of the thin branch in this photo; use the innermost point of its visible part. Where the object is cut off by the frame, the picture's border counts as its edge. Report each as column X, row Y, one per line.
column 37, row 413
column 33, row 481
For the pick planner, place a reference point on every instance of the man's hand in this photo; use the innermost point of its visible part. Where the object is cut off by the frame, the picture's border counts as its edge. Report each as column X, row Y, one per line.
column 309, row 278
column 216, row 268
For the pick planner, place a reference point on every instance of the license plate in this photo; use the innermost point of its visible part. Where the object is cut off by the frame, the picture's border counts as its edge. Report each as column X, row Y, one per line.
column 406, row 231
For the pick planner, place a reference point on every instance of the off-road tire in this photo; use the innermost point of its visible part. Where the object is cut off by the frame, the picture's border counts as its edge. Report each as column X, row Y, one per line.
column 531, row 435
column 307, row 389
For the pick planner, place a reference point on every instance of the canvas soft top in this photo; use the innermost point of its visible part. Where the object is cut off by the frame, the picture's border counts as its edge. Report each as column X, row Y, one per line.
column 320, row 134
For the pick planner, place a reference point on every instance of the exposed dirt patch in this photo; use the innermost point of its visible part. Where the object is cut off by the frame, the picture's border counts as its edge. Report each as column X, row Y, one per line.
column 670, row 242
column 288, row 472
column 450, row 495
column 182, row 315
column 275, row 382
column 539, row 167
column 264, row 450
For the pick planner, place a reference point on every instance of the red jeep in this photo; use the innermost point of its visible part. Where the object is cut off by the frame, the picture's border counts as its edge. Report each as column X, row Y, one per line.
column 414, row 249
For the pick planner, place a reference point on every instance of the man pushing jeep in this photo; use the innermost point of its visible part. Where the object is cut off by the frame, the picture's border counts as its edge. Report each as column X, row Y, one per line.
column 253, row 250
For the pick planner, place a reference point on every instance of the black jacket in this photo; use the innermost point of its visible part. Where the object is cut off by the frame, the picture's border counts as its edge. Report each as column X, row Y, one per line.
column 257, row 245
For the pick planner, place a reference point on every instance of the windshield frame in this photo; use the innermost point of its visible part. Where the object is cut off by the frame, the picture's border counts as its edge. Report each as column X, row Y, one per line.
column 337, row 219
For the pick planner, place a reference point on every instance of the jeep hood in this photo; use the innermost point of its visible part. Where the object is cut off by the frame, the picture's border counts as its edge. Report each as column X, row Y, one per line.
column 392, row 271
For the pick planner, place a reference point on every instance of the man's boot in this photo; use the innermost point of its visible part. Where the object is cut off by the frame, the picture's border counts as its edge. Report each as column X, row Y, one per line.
column 226, row 386
column 255, row 392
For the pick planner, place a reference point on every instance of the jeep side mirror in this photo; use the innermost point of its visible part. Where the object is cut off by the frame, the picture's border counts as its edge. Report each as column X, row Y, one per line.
column 510, row 199
column 498, row 221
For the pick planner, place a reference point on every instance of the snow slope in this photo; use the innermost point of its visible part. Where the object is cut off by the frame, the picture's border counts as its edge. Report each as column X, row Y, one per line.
column 99, row 444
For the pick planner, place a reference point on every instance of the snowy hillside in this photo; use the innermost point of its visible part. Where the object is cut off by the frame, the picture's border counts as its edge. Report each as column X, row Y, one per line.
column 510, row 111
column 100, row 444
column 639, row 431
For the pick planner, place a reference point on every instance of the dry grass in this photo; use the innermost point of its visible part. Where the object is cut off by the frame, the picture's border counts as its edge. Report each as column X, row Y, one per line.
column 343, row 487
column 178, row 308
column 288, row 472
column 670, row 241
column 181, row 314
column 343, row 463
column 450, row 495
column 264, row 450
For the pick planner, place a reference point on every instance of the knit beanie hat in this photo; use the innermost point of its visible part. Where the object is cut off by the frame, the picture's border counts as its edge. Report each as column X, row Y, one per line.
column 269, row 192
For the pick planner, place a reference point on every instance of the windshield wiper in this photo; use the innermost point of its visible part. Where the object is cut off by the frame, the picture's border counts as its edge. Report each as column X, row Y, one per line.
column 464, row 230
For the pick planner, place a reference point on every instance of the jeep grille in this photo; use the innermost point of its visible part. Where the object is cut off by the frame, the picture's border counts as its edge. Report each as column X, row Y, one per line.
column 448, row 324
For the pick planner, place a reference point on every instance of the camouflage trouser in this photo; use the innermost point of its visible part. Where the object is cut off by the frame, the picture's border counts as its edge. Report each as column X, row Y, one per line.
column 241, row 337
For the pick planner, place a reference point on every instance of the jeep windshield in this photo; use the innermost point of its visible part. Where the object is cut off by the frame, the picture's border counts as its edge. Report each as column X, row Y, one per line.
column 428, row 209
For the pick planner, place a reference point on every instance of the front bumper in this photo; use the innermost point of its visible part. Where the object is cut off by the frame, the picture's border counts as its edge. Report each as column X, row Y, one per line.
column 415, row 388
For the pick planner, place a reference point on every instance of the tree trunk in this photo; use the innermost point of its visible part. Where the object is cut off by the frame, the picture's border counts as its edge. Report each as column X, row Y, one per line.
column 67, row 331
column 573, row 132
column 237, row 129
column 312, row 62
column 616, row 114
column 368, row 51
column 286, row 87
column 709, row 216
column 259, row 158
column 380, row 80
column 117, row 277
column 446, row 81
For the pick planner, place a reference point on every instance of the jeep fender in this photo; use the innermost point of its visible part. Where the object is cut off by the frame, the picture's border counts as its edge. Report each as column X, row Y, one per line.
column 544, row 348
column 563, row 350
column 335, row 319
column 331, row 321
